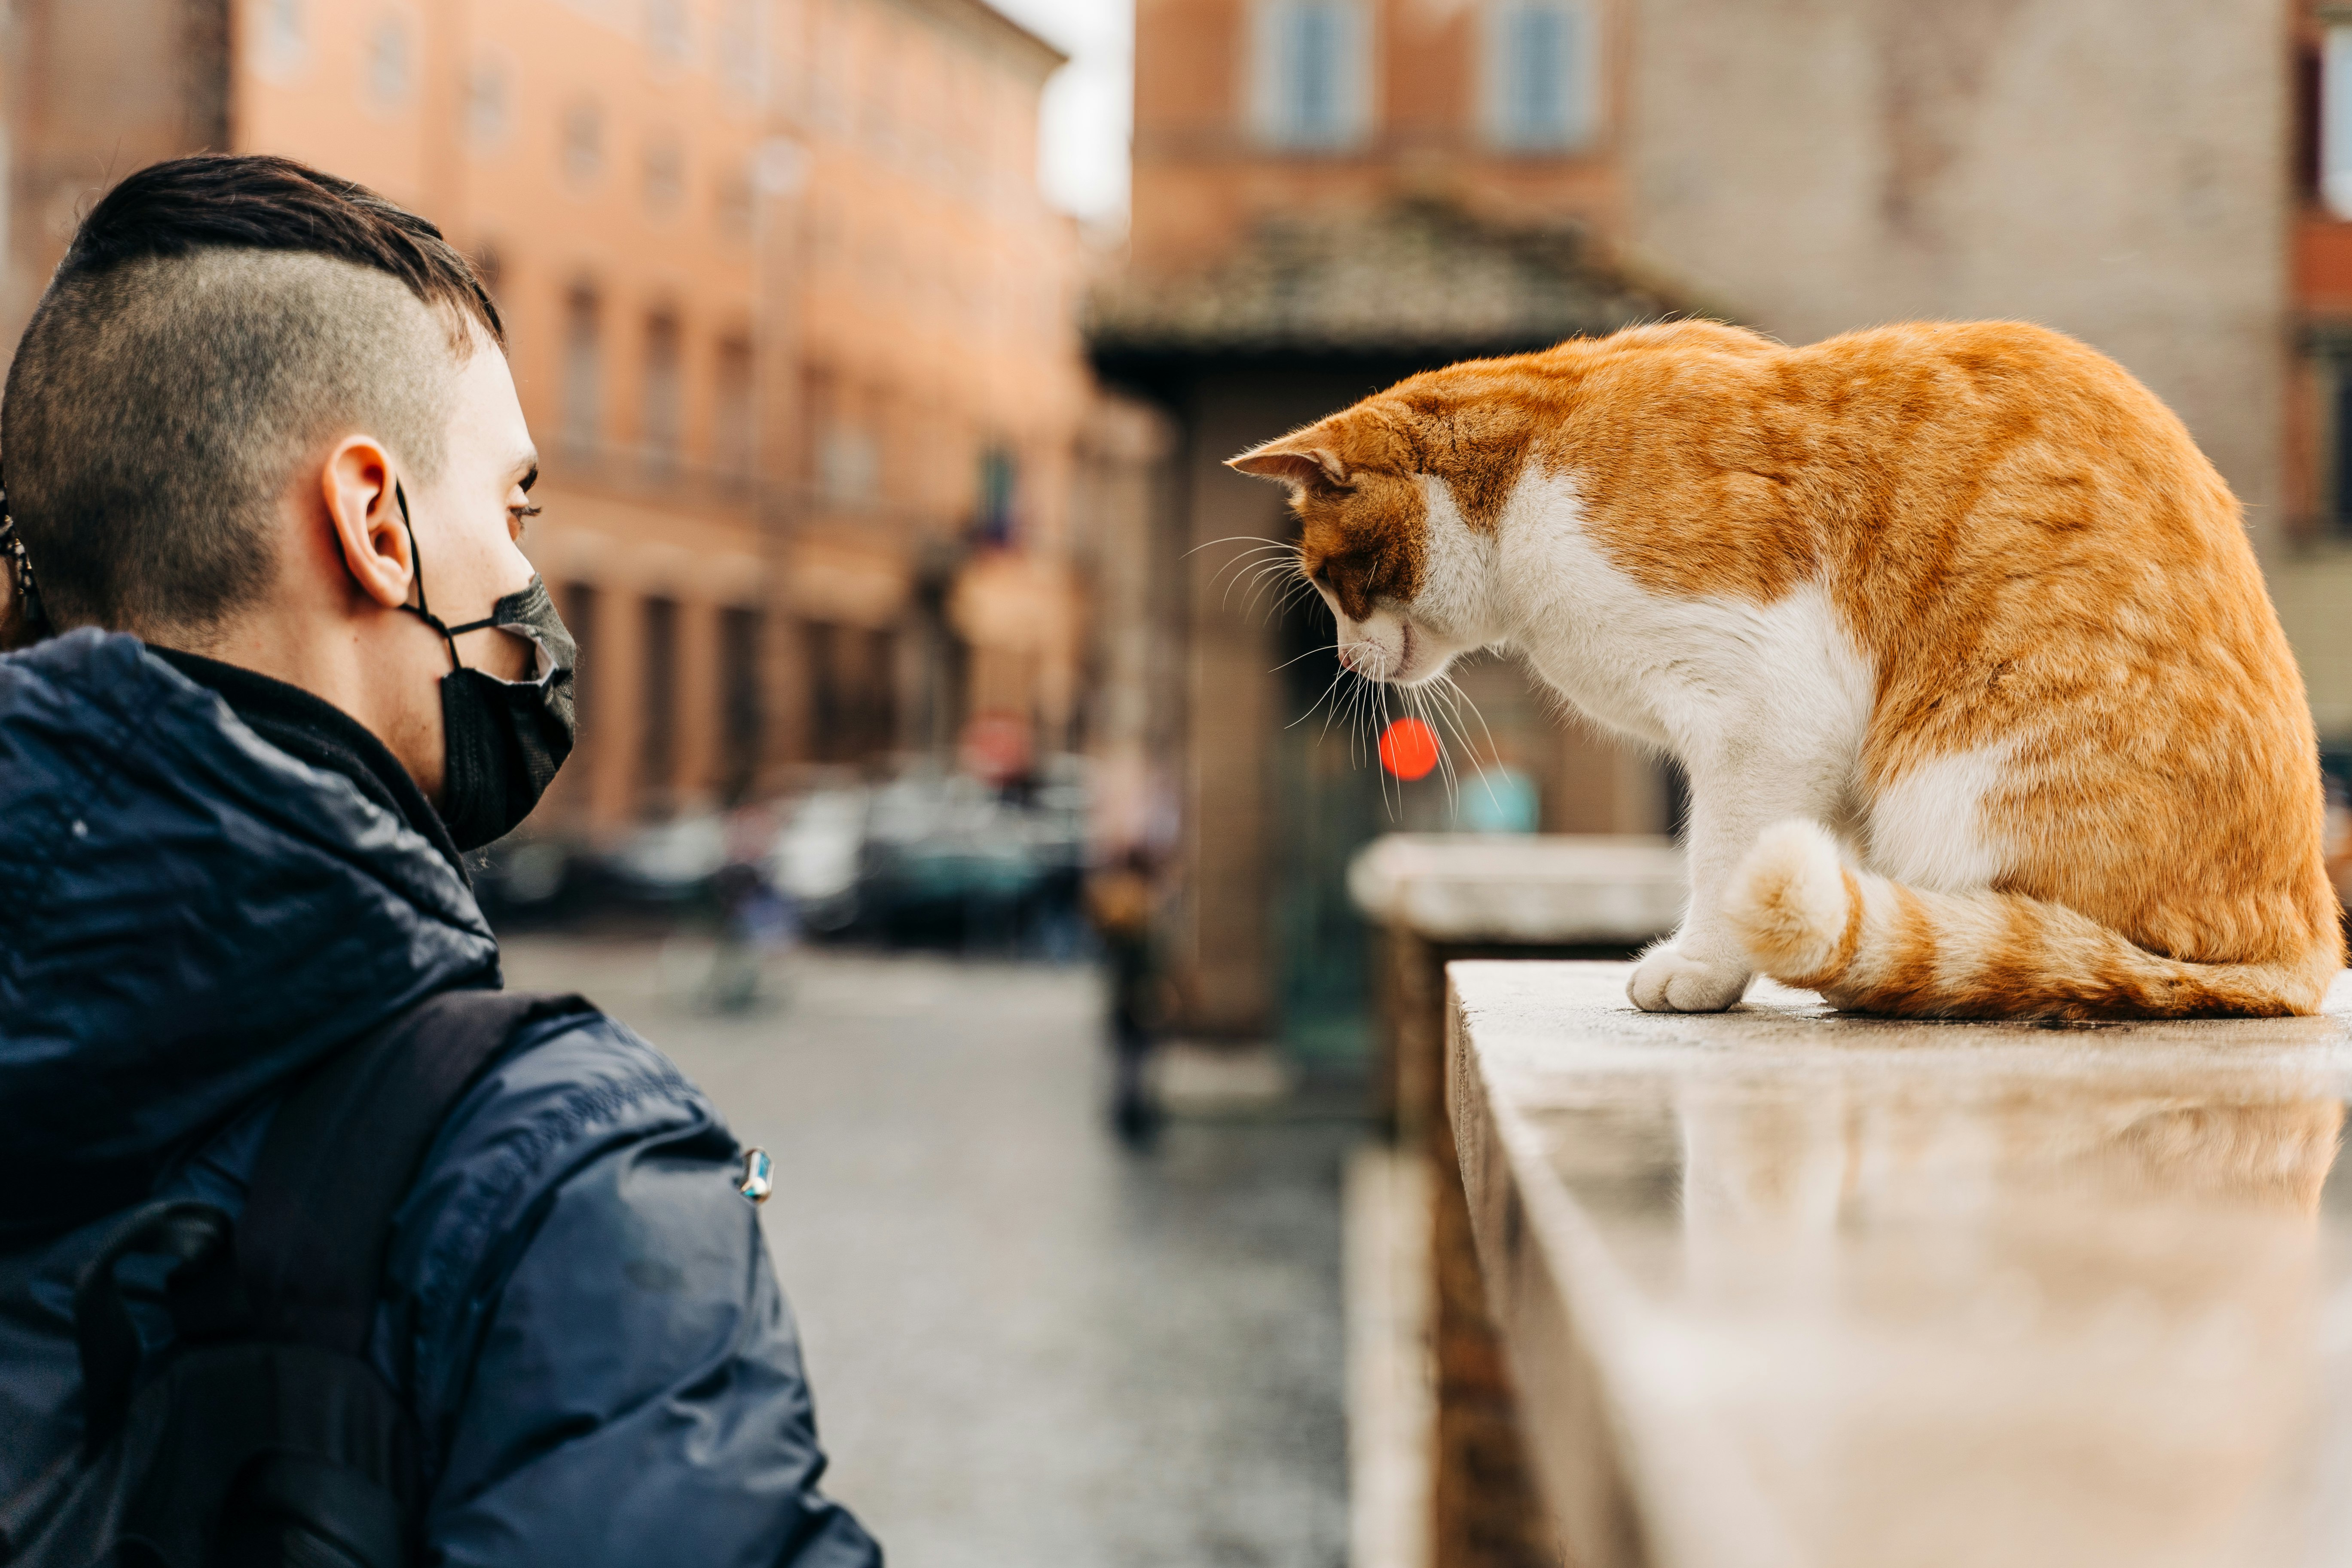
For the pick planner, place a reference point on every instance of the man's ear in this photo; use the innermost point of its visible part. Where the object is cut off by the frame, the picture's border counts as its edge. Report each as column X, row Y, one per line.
column 363, row 509
column 1292, row 462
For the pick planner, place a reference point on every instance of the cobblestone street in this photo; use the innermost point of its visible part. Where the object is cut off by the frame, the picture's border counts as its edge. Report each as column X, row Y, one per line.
column 1030, row 1348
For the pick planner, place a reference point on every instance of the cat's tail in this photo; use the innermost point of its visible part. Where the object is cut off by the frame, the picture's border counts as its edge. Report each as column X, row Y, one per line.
column 1809, row 920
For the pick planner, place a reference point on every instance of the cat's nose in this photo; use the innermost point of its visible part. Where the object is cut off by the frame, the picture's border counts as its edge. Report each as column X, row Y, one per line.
column 1346, row 657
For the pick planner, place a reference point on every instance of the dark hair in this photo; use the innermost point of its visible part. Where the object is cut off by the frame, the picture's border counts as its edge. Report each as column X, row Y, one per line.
column 214, row 319
column 258, row 201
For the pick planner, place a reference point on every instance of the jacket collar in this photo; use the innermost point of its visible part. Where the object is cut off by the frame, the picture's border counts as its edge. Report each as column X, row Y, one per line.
column 309, row 728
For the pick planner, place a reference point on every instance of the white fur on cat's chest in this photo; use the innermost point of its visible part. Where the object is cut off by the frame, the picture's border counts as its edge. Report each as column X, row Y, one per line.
column 1767, row 706
column 1694, row 676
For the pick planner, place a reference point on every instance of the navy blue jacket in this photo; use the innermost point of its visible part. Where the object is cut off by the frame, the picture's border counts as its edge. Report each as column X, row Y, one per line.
column 579, row 1305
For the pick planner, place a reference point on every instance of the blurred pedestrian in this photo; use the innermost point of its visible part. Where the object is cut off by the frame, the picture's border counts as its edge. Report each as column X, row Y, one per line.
column 1121, row 902
column 236, row 783
column 755, row 919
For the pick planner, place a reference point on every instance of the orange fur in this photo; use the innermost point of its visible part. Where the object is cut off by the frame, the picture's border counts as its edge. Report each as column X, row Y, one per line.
column 2027, row 547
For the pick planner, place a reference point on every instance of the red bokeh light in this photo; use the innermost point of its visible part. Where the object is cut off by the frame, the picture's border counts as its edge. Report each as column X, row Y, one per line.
column 1409, row 749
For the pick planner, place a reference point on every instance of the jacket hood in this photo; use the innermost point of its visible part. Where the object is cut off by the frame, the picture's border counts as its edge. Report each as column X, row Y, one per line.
column 188, row 918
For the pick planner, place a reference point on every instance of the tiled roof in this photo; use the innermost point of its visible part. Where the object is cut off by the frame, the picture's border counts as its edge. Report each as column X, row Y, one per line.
column 1417, row 278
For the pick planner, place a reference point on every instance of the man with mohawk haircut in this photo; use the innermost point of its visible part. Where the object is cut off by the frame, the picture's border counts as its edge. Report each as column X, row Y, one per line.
column 316, row 1245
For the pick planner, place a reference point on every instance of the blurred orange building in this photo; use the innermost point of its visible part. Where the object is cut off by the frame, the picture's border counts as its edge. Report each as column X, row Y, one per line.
column 941, row 381
column 790, row 319
column 597, row 161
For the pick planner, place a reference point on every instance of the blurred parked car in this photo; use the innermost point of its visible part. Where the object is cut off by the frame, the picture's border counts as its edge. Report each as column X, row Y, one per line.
column 814, row 859
column 929, row 859
column 668, row 863
column 951, row 861
column 522, row 880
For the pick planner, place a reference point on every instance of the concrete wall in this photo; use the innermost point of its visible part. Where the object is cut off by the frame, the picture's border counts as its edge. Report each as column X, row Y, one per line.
column 2116, row 169
column 1133, row 568
column 1232, row 703
column 2313, row 594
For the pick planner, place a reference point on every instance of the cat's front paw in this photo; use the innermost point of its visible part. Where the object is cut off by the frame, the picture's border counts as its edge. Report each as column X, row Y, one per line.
column 1668, row 980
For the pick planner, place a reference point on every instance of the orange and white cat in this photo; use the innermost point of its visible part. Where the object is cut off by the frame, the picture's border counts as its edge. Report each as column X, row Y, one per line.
column 1958, row 636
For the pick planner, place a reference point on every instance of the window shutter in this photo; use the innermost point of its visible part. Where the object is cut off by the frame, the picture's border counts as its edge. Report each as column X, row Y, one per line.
column 1542, row 90
column 2336, row 121
column 1311, row 73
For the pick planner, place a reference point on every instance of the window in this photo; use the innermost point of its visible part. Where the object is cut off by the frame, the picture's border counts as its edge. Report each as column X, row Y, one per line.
column 388, row 63
column 284, row 46
column 993, row 516
column 657, row 703
column 663, row 412
column 732, row 436
column 2330, row 363
column 488, row 105
column 583, row 371
column 2336, row 121
column 848, row 465
column 665, row 177
column 583, row 143
column 1539, row 77
column 736, row 42
column 742, row 714
column 780, row 167
column 1311, row 73
column 735, row 203
column 852, row 692
column 666, row 30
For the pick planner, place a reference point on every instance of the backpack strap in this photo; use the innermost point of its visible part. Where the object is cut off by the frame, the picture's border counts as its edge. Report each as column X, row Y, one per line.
column 105, row 1332
column 342, row 1151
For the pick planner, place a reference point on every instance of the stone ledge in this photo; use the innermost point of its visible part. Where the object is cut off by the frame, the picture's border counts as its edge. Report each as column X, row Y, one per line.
column 1783, row 1287
column 1501, row 887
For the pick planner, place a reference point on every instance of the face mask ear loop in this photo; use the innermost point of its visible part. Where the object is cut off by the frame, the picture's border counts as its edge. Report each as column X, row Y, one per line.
column 31, row 619
column 416, row 574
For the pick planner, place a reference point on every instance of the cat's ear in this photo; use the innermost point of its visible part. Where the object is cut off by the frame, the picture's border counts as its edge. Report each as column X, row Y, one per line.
column 1293, row 462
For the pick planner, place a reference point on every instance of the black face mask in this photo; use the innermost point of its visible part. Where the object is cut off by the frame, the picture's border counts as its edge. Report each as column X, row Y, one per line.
column 502, row 740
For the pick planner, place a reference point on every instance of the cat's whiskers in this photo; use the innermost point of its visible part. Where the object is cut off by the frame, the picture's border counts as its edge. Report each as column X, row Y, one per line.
column 1244, row 569
column 1287, row 663
column 1319, row 701
column 1303, row 589
column 1262, row 555
column 1269, row 575
column 1414, row 701
column 1257, row 540
column 1360, row 734
column 1446, row 688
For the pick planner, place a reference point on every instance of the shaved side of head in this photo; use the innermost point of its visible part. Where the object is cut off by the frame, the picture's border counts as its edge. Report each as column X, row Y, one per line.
column 217, row 325
column 158, row 415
